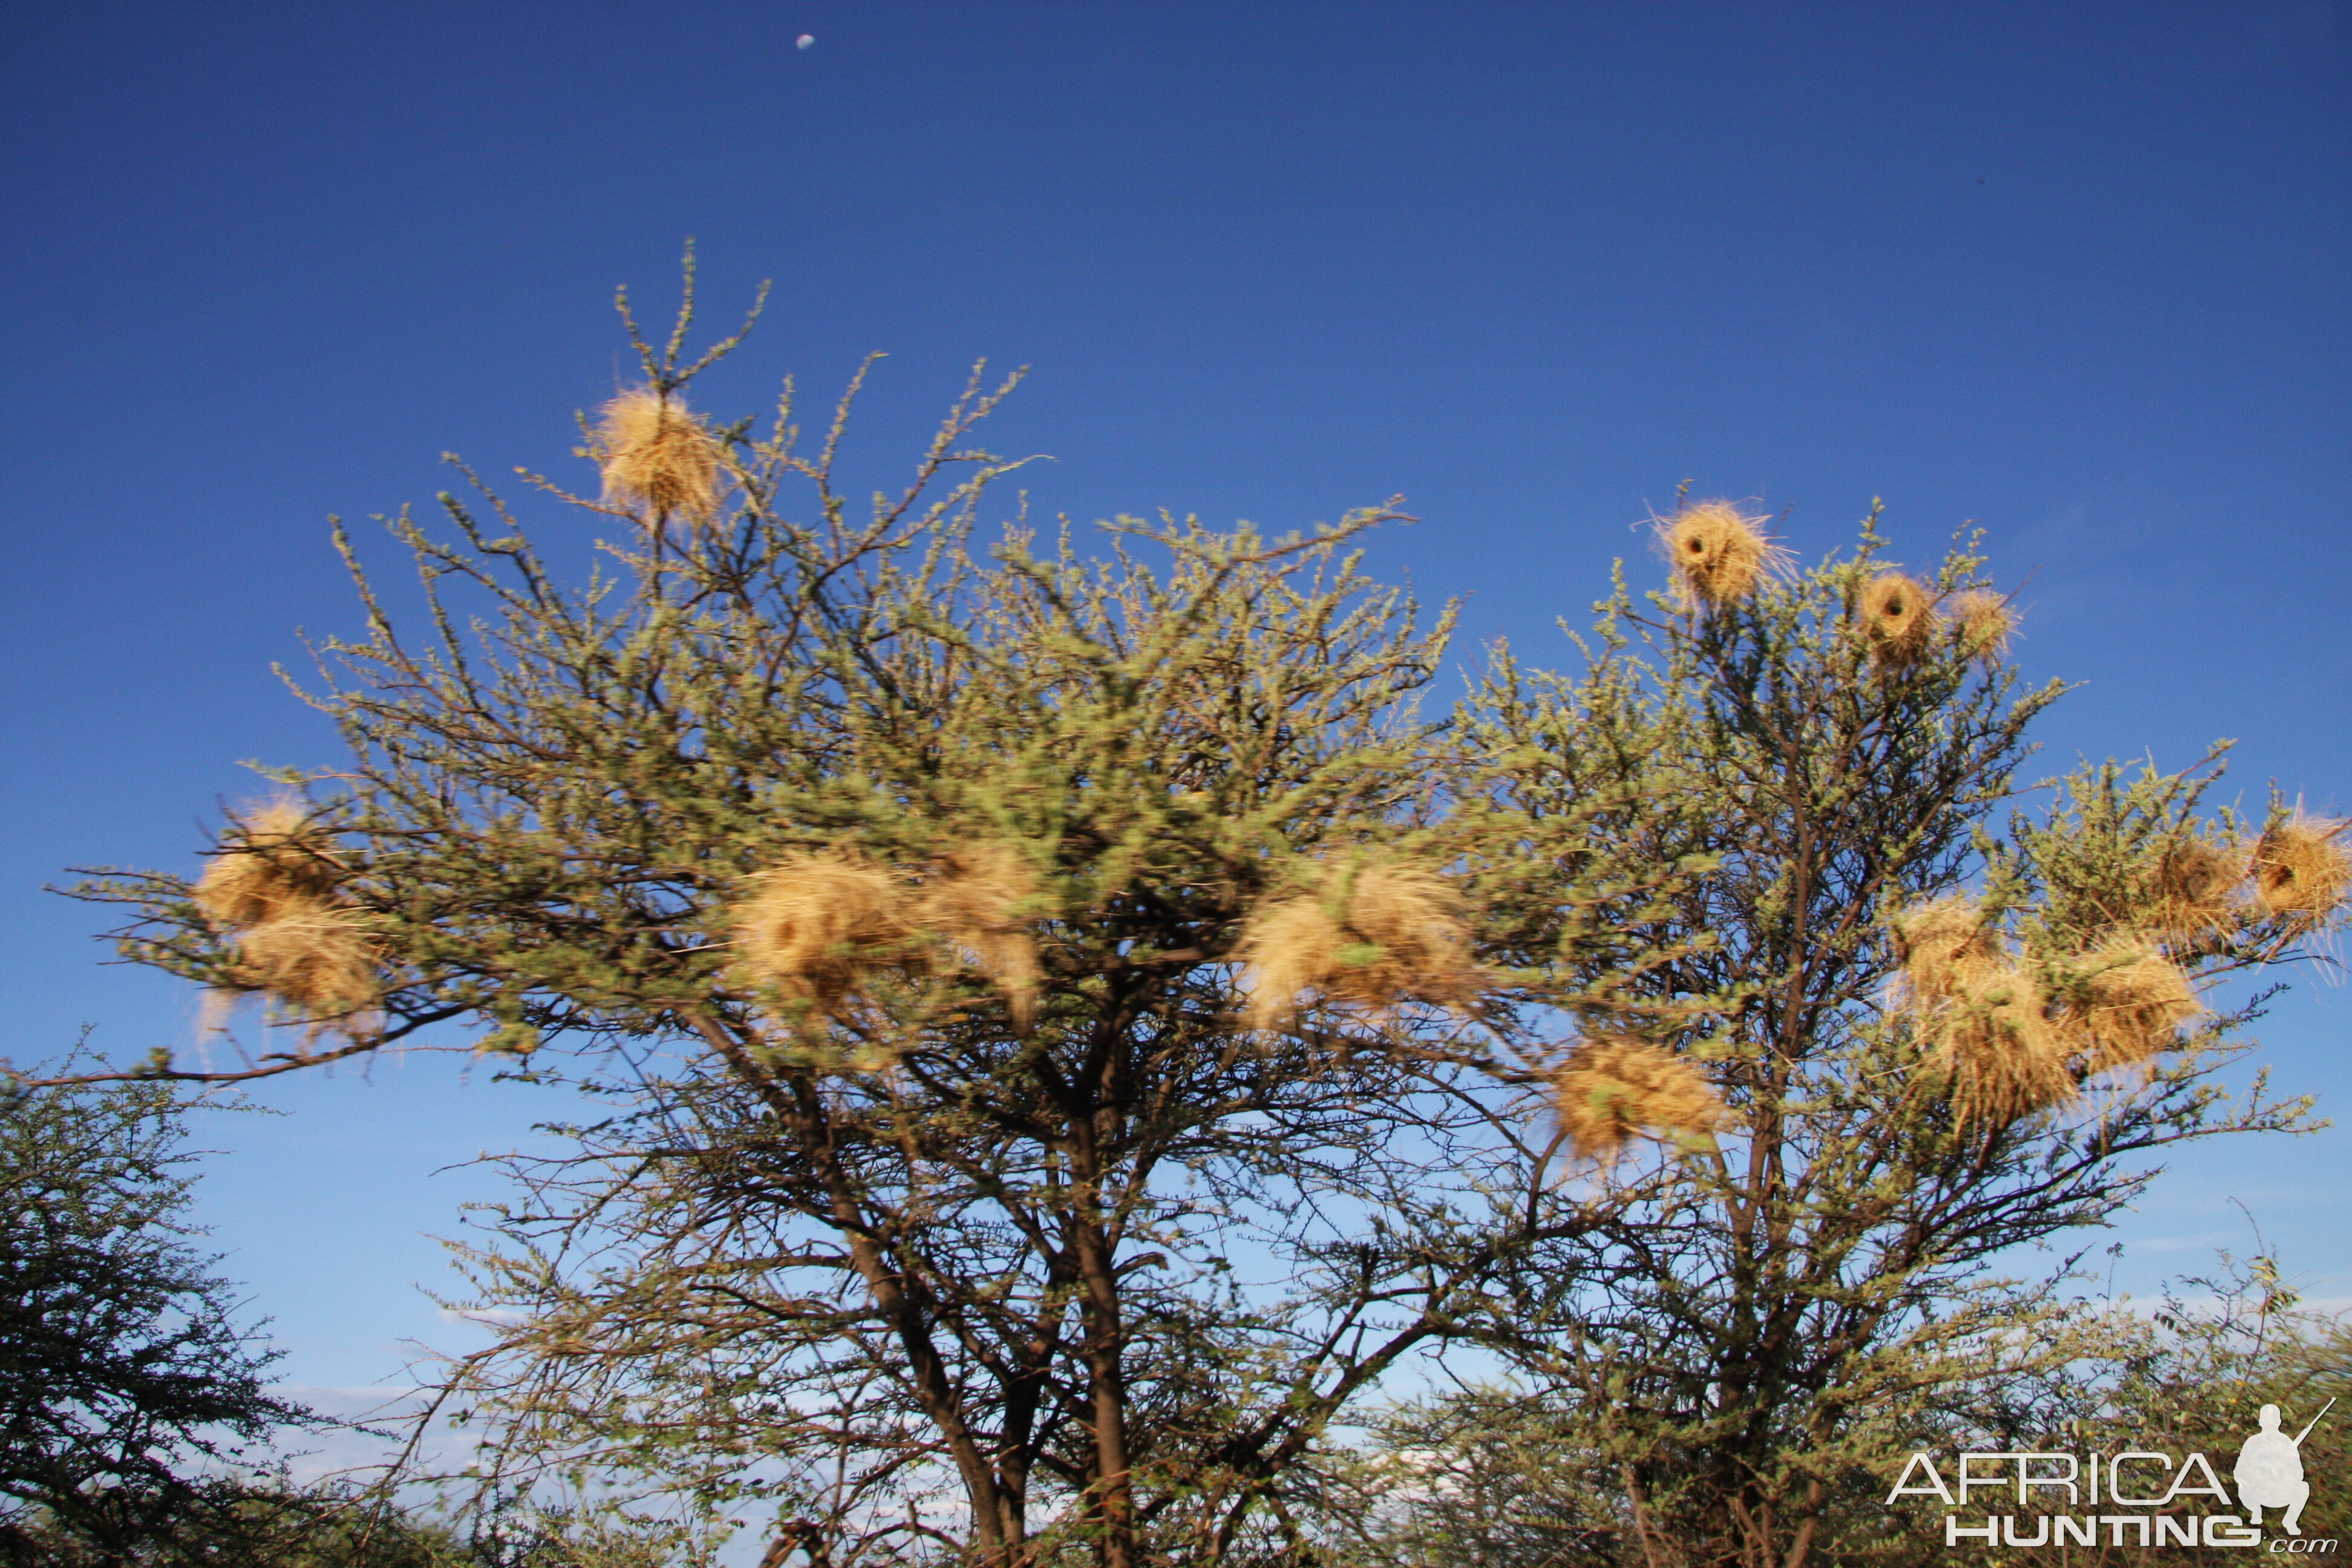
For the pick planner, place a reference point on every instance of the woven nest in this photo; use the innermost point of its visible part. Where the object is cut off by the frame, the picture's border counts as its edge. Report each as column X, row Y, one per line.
column 1373, row 935
column 2134, row 1005
column 2196, row 888
column 815, row 926
column 1940, row 942
column 2301, row 870
column 982, row 901
column 1982, row 1014
column 298, row 942
column 1997, row 1047
column 656, row 455
column 1719, row 555
column 1983, row 622
column 316, row 958
column 1898, row 614
column 1611, row 1091
column 278, row 860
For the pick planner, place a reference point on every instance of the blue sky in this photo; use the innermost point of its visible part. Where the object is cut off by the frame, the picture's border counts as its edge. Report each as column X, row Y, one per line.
column 2076, row 271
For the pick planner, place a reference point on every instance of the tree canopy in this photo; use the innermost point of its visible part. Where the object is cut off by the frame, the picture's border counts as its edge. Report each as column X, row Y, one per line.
column 129, row 1388
column 1071, row 1024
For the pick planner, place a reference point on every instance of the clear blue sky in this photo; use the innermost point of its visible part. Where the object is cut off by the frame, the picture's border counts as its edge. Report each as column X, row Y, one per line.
column 2076, row 270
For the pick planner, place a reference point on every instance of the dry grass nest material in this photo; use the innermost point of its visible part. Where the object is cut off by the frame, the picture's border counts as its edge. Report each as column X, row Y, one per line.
column 1989, row 1022
column 1984, row 623
column 817, row 926
column 1720, row 556
column 2197, row 883
column 1371, row 935
column 1609, row 1091
column 658, row 456
column 2135, row 1004
column 316, row 958
column 2300, row 868
column 277, row 861
column 296, row 942
column 1996, row 1045
column 982, row 901
column 1992, row 1039
column 1939, row 943
column 1898, row 614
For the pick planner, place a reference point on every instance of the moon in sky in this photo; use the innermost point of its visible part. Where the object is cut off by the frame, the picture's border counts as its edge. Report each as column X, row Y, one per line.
column 804, row 40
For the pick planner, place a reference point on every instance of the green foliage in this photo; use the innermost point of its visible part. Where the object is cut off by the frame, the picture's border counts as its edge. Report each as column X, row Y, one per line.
column 1722, row 1354
column 2190, row 1375
column 912, row 1267
column 266, row 1521
column 931, row 1279
column 124, row 1375
column 1496, row 1476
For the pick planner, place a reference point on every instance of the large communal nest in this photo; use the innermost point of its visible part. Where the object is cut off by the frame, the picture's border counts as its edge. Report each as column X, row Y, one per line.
column 656, row 455
column 2132, row 1005
column 1720, row 556
column 1611, row 1090
column 298, row 942
column 1897, row 614
column 2301, row 870
column 820, row 927
column 1371, row 934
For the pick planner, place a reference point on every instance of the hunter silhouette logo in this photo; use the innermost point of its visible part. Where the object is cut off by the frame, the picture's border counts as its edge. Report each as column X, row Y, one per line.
column 2270, row 1470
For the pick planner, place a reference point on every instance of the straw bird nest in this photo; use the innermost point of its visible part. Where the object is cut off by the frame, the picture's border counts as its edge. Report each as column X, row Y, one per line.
column 815, row 926
column 2198, row 884
column 2301, row 870
column 318, row 959
column 277, row 859
column 982, row 901
column 2004, row 1044
column 1940, row 944
column 298, row 941
column 1997, row 1047
column 1898, row 614
column 818, row 927
column 1984, row 623
column 1720, row 556
column 1992, row 1039
column 656, row 455
column 1611, row 1090
column 1371, row 935
column 2135, row 1006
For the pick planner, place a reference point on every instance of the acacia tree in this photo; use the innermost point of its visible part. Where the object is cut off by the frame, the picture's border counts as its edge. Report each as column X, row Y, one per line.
column 963, row 1198
column 897, row 894
column 910, row 1239
column 1950, row 1029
